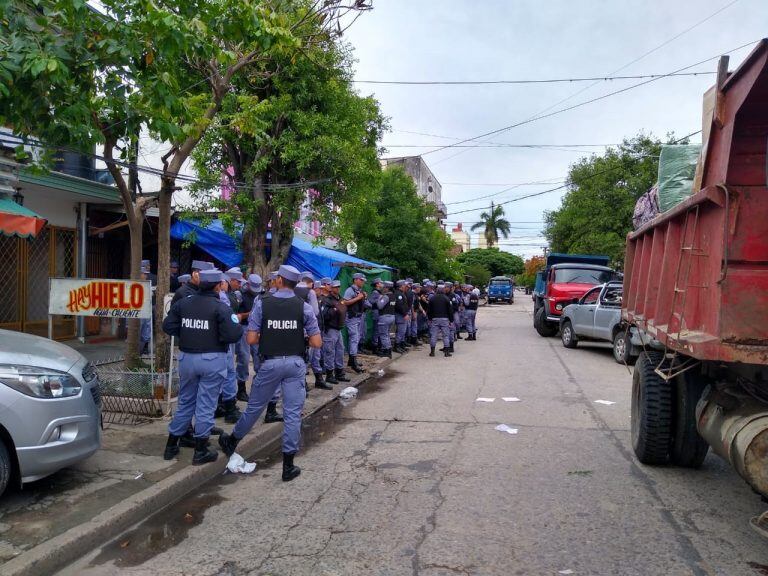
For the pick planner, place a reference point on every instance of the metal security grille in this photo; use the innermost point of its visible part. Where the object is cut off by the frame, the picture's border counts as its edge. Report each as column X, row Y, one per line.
column 36, row 282
column 133, row 396
column 10, row 285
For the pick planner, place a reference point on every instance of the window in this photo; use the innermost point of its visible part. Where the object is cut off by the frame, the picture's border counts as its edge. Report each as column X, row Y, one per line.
column 591, row 296
column 612, row 296
column 501, row 282
column 582, row 276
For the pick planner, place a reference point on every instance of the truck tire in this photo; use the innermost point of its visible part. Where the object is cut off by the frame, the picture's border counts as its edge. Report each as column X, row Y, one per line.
column 652, row 399
column 544, row 328
column 688, row 448
column 622, row 348
column 5, row 467
column 567, row 335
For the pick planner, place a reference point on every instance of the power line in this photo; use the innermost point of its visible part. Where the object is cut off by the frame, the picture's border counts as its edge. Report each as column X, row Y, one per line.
column 505, row 145
column 578, row 105
column 530, row 81
column 566, row 184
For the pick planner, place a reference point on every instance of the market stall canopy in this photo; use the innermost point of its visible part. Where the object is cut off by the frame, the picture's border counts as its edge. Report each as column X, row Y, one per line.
column 15, row 220
column 304, row 255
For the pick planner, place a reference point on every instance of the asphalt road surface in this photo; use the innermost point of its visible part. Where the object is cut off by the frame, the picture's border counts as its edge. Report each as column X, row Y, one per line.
column 413, row 478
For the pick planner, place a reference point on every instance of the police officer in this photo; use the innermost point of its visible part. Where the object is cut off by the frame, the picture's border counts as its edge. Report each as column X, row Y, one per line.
column 190, row 288
column 386, row 306
column 174, row 268
column 235, row 278
column 334, row 317
column 184, row 278
column 316, row 354
column 205, row 327
column 471, row 302
column 355, row 299
column 402, row 313
column 278, row 325
column 439, row 312
column 228, row 407
column 373, row 301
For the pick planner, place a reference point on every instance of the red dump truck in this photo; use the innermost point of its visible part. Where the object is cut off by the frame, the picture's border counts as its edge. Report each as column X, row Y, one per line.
column 696, row 297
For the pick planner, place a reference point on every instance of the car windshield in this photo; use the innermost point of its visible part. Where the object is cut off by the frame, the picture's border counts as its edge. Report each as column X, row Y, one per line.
column 500, row 282
column 582, row 276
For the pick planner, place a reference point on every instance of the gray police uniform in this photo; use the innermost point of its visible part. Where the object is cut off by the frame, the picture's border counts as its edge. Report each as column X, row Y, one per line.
column 205, row 327
column 386, row 307
column 355, row 314
column 334, row 317
column 471, row 302
column 281, row 320
column 402, row 315
column 439, row 312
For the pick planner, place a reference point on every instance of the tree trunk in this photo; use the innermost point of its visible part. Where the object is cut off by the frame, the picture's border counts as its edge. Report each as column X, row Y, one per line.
column 282, row 238
column 136, row 232
column 163, row 271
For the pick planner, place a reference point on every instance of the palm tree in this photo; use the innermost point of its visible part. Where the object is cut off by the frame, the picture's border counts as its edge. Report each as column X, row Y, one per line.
column 494, row 224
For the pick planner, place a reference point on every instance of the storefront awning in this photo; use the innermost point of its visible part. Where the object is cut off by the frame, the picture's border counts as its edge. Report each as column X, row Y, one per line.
column 15, row 220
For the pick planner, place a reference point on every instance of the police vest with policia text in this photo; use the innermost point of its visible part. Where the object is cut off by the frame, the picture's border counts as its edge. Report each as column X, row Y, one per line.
column 282, row 327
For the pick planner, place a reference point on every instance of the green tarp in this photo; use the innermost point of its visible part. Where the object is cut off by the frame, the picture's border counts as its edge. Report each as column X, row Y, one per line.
column 677, row 168
column 345, row 277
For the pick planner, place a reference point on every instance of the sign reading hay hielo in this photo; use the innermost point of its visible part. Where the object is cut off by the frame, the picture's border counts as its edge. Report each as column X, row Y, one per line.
column 100, row 297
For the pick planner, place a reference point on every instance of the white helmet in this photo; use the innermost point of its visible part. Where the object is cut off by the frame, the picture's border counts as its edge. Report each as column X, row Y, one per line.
column 476, row 291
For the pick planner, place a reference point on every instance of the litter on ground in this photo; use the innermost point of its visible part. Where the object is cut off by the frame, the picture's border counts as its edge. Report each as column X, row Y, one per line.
column 512, row 399
column 485, row 399
column 606, row 402
column 238, row 465
column 507, row 429
column 348, row 393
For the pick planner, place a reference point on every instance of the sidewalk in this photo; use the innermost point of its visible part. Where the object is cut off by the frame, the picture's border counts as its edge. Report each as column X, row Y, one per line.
column 53, row 521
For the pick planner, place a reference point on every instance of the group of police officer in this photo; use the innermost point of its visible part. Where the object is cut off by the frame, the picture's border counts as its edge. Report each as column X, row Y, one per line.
column 222, row 321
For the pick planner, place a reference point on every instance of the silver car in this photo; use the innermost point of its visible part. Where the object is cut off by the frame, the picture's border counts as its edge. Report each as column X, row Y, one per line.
column 597, row 316
column 50, row 408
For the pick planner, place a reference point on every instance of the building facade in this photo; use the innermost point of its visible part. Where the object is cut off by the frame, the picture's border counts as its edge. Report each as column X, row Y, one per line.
column 460, row 237
column 427, row 184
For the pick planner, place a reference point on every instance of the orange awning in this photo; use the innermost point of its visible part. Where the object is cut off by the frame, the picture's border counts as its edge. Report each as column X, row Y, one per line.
column 15, row 220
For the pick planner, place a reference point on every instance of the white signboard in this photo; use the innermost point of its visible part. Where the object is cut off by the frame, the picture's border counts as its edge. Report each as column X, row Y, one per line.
column 100, row 297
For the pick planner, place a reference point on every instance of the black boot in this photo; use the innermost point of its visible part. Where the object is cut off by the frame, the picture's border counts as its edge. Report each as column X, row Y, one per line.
column 219, row 408
column 242, row 395
column 330, row 378
column 388, row 352
column 458, row 336
column 231, row 412
column 431, row 350
column 340, row 376
column 447, row 352
column 320, row 383
column 203, row 453
column 228, row 443
column 188, row 440
column 171, row 447
column 381, row 352
column 354, row 365
column 415, row 342
column 272, row 414
column 216, row 431
column 289, row 470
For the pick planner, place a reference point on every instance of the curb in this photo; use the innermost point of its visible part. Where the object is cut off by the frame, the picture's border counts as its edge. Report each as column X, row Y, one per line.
column 64, row 549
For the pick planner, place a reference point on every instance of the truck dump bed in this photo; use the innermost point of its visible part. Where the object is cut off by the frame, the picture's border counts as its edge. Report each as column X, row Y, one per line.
column 696, row 277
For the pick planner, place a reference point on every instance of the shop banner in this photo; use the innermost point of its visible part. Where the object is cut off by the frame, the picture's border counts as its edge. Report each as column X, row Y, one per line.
column 100, row 297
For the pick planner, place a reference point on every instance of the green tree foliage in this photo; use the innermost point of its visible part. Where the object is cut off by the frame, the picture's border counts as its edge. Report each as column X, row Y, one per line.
column 398, row 228
column 477, row 274
column 74, row 76
column 296, row 118
column 596, row 212
column 493, row 223
column 498, row 263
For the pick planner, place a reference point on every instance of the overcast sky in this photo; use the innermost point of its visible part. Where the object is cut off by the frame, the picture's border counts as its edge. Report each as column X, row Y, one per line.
column 463, row 40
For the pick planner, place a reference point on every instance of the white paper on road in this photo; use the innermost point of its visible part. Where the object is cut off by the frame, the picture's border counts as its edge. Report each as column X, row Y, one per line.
column 507, row 429
column 569, row 571
column 485, row 399
column 348, row 393
column 238, row 465
column 606, row 402
column 512, row 399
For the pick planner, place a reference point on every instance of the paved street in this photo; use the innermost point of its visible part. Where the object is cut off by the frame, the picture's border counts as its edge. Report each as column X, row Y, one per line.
column 412, row 478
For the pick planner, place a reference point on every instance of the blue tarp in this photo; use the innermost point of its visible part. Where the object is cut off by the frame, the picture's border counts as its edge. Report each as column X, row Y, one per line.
column 303, row 255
